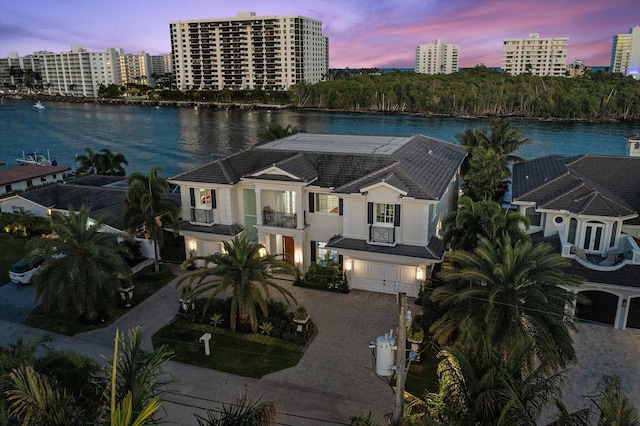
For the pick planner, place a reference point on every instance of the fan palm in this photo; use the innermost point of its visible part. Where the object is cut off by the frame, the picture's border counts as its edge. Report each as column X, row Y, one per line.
column 509, row 289
column 147, row 212
column 82, row 264
column 245, row 272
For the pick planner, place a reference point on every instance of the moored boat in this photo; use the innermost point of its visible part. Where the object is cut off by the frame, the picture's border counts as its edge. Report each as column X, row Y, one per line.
column 38, row 105
column 36, row 158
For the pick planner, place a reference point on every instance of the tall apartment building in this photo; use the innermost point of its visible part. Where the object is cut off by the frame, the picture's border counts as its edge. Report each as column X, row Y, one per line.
column 438, row 58
column 16, row 71
column 248, row 52
column 536, row 56
column 625, row 53
column 134, row 68
column 160, row 67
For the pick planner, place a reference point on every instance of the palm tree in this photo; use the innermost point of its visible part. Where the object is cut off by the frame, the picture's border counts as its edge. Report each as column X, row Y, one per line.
column 508, row 289
column 245, row 272
column 88, row 163
column 147, row 212
column 463, row 227
column 82, row 265
column 111, row 164
column 242, row 411
column 615, row 407
column 278, row 131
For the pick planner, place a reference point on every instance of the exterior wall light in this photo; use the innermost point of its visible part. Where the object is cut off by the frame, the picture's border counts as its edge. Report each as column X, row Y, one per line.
column 192, row 246
column 418, row 274
column 262, row 252
column 349, row 265
column 298, row 258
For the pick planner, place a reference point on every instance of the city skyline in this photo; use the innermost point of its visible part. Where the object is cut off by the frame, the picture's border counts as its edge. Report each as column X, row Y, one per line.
column 362, row 33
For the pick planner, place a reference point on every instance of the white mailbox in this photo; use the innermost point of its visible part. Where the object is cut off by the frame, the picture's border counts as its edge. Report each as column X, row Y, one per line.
column 205, row 338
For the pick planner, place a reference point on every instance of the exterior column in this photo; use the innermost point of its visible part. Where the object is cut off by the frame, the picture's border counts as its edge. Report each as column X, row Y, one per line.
column 259, row 217
column 299, row 209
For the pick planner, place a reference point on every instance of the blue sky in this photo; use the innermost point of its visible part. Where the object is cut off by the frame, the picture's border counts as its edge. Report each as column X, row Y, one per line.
column 362, row 33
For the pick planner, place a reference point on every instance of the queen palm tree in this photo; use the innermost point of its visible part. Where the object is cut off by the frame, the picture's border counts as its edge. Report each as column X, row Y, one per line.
column 243, row 271
column 82, row 264
column 111, row 164
column 510, row 289
column 147, row 212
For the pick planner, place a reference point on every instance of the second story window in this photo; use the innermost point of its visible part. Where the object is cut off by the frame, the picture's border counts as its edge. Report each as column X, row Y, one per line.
column 204, row 198
column 385, row 214
column 326, row 203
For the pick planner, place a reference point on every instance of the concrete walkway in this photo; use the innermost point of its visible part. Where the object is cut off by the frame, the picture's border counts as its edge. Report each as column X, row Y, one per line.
column 334, row 380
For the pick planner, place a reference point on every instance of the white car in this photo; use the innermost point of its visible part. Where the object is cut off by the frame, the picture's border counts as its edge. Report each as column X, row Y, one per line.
column 21, row 272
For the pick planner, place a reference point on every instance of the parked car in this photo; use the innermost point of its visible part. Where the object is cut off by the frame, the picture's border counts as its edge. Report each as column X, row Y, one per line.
column 21, row 272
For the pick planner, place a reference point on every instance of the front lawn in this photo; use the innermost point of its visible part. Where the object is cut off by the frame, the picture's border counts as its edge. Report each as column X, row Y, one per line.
column 422, row 375
column 11, row 250
column 146, row 283
column 250, row 355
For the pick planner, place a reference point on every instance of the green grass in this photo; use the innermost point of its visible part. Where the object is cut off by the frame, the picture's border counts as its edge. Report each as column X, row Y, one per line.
column 11, row 250
column 422, row 376
column 249, row 355
column 65, row 322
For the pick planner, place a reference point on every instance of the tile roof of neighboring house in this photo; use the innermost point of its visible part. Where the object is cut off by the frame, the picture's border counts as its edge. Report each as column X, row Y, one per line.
column 28, row 171
column 433, row 251
column 421, row 166
column 101, row 199
column 587, row 184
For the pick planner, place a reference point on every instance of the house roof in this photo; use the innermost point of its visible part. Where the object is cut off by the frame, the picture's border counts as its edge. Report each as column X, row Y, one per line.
column 433, row 251
column 418, row 165
column 28, row 171
column 587, row 184
column 217, row 229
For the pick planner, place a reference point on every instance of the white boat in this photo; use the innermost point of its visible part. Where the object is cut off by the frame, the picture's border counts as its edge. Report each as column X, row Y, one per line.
column 38, row 105
column 36, row 158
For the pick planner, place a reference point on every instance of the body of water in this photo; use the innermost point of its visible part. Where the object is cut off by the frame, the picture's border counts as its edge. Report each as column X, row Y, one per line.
column 178, row 139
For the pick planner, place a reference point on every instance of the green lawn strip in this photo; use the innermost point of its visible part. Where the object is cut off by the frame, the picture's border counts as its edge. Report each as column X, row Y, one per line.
column 249, row 355
column 11, row 250
column 65, row 322
column 422, row 376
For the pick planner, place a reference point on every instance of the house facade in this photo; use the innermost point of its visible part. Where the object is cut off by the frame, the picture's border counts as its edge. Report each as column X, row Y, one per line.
column 20, row 178
column 587, row 207
column 373, row 203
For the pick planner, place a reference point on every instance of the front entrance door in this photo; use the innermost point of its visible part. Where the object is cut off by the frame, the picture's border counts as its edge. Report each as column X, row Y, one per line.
column 289, row 249
column 593, row 237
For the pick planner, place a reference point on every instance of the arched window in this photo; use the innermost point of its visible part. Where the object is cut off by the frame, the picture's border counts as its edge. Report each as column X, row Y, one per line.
column 573, row 225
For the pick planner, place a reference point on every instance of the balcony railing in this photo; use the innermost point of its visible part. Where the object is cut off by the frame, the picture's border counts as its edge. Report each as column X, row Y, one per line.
column 281, row 219
column 201, row 215
column 382, row 234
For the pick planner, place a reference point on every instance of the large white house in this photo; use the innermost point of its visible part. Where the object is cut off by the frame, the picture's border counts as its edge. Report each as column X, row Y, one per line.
column 375, row 203
column 587, row 207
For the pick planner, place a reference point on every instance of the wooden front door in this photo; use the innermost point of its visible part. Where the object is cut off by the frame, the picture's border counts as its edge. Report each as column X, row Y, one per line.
column 288, row 245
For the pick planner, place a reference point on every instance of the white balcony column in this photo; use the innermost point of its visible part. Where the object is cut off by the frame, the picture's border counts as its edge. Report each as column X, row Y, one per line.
column 299, row 209
column 259, row 217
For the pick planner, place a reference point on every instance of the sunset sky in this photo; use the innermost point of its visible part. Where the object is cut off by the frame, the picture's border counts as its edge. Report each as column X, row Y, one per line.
column 362, row 33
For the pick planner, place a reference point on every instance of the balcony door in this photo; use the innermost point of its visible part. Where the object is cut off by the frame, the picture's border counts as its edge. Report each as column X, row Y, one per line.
column 593, row 233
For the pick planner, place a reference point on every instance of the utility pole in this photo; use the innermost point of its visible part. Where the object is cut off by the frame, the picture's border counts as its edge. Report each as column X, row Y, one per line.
column 401, row 355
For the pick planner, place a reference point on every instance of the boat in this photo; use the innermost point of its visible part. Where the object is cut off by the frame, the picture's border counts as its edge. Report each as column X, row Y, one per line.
column 38, row 105
column 36, row 158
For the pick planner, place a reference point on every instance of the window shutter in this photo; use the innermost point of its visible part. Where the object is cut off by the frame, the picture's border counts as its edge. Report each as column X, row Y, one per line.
column 340, row 207
column 313, row 251
column 369, row 212
column 340, row 261
column 396, row 215
column 213, row 199
column 192, row 194
column 312, row 204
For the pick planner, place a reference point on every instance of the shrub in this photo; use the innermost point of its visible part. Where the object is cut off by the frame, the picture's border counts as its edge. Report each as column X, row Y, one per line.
column 327, row 277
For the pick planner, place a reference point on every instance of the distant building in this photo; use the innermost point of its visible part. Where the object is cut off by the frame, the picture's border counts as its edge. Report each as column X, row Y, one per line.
column 438, row 58
column 20, row 178
column 248, row 52
column 536, row 56
column 625, row 53
column 135, row 68
column 16, row 71
column 576, row 69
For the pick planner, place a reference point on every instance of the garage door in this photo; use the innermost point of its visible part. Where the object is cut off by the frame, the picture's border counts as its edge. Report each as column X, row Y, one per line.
column 381, row 277
column 602, row 307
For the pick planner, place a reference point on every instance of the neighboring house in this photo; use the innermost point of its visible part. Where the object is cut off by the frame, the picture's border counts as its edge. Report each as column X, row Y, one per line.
column 587, row 207
column 374, row 203
column 102, row 194
column 20, row 178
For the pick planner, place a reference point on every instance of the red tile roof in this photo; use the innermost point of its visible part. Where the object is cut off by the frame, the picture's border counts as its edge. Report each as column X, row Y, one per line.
column 29, row 171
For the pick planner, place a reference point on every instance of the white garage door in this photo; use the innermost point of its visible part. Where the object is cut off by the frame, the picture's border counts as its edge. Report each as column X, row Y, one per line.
column 381, row 277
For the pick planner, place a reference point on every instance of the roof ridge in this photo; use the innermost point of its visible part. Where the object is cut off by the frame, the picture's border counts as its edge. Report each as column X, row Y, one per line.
column 353, row 182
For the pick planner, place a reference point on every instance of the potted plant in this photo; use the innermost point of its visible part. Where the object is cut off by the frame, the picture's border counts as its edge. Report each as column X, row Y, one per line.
column 301, row 318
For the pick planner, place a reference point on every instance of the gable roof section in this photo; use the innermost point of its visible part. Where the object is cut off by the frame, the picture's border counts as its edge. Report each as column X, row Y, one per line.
column 589, row 185
column 418, row 165
column 297, row 165
column 28, row 171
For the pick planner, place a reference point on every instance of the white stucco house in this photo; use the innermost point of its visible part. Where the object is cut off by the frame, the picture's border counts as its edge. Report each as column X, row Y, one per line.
column 375, row 203
column 20, row 178
column 588, row 207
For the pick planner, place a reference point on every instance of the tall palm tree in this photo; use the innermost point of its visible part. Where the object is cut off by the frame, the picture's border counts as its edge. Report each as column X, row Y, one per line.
column 509, row 289
column 245, row 272
column 278, row 131
column 111, row 164
column 82, row 265
column 147, row 212
column 481, row 218
column 89, row 162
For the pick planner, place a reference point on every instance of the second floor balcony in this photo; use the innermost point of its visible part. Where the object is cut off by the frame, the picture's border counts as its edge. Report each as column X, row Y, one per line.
column 281, row 219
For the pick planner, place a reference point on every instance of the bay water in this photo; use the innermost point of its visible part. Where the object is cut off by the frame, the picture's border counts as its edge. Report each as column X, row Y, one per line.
column 178, row 139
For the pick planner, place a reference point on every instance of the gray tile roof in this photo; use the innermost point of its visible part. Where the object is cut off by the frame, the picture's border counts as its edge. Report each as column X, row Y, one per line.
column 217, row 229
column 419, row 165
column 587, row 184
column 433, row 251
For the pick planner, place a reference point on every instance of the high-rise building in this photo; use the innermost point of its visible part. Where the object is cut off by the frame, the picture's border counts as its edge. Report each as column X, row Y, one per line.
column 248, row 52
column 438, row 58
column 625, row 53
column 135, row 69
column 536, row 55
column 161, row 68
column 17, row 71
